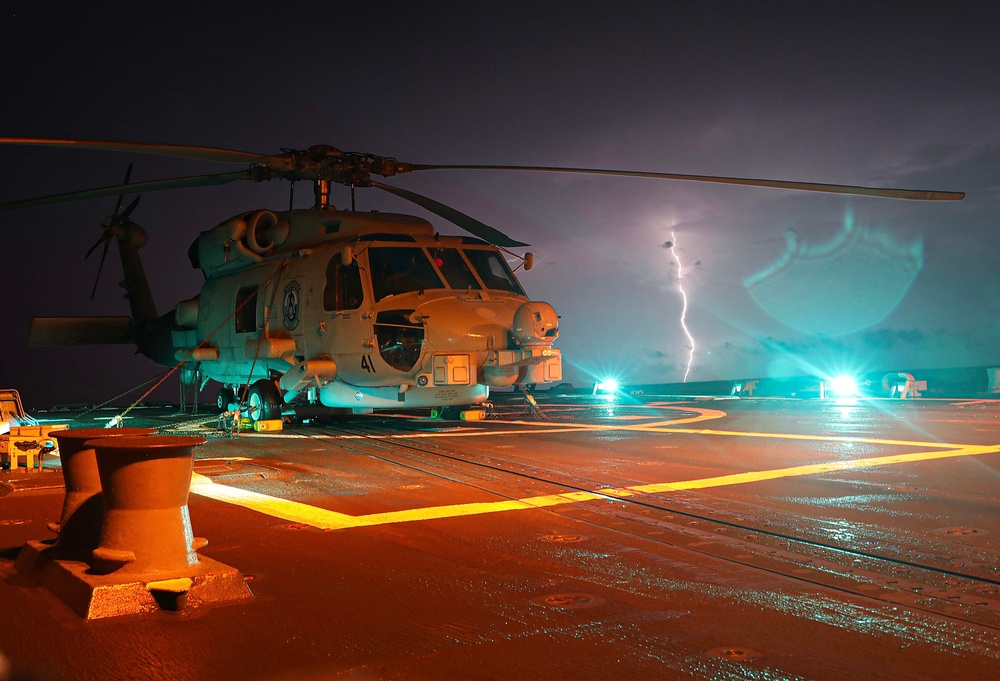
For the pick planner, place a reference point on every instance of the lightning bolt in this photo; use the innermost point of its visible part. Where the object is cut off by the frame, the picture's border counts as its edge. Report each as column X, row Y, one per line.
column 684, row 308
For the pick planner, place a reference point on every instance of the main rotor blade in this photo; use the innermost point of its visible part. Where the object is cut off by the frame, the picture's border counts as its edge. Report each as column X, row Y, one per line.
column 466, row 222
column 912, row 194
column 136, row 187
column 178, row 150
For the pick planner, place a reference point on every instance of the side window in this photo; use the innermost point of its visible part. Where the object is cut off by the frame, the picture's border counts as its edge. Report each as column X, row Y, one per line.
column 246, row 316
column 343, row 289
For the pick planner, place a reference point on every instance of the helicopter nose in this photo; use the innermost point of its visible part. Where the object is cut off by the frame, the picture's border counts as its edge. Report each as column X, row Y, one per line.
column 535, row 323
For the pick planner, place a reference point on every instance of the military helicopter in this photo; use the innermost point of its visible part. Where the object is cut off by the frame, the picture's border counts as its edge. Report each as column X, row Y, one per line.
column 339, row 308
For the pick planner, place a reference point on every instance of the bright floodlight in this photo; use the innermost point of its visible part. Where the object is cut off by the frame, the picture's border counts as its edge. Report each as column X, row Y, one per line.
column 608, row 385
column 844, row 386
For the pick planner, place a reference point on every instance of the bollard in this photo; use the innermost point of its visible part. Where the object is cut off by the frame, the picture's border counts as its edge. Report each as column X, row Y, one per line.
column 145, row 559
column 79, row 525
column 146, row 530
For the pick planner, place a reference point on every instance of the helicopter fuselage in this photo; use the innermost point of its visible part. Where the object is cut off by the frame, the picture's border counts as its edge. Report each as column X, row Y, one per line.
column 361, row 310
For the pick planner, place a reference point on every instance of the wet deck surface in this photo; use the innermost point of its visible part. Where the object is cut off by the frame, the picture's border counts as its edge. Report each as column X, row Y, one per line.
column 720, row 539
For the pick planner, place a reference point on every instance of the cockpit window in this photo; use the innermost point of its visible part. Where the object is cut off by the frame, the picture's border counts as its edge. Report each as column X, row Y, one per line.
column 343, row 289
column 493, row 270
column 400, row 269
column 454, row 269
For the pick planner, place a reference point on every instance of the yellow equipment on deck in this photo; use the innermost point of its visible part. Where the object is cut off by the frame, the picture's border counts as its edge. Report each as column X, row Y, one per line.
column 21, row 436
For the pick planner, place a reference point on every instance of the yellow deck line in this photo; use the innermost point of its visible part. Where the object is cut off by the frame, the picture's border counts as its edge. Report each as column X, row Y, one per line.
column 268, row 505
column 331, row 520
column 536, row 427
column 811, row 469
column 800, row 436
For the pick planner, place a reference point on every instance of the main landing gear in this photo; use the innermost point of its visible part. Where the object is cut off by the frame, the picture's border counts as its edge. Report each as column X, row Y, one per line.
column 263, row 401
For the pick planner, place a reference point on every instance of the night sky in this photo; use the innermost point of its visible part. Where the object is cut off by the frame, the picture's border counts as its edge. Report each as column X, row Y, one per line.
column 778, row 282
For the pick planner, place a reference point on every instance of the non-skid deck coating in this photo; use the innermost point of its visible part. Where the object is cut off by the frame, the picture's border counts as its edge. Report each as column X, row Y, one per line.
column 599, row 538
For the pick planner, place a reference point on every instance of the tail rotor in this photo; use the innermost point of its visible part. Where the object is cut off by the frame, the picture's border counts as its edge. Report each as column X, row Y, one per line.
column 111, row 229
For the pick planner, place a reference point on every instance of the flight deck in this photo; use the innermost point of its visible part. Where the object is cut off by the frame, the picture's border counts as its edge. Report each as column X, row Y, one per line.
column 587, row 537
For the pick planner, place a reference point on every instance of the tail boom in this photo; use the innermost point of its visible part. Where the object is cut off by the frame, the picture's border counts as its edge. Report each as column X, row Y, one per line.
column 80, row 331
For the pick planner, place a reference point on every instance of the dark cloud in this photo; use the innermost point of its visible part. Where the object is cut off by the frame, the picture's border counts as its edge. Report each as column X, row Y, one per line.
column 849, row 93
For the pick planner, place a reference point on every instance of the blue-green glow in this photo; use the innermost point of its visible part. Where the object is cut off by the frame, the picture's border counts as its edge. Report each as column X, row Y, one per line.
column 844, row 386
column 848, row 284
column 608, row 385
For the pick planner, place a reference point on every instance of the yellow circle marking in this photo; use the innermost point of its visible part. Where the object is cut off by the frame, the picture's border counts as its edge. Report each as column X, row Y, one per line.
column 332, row 520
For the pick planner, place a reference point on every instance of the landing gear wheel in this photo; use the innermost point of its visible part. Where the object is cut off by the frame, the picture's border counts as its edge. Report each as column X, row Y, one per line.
column 225, row 397
column 263, row 401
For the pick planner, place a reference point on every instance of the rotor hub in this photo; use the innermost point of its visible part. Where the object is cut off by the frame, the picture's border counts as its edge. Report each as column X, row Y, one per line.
column 323, row 162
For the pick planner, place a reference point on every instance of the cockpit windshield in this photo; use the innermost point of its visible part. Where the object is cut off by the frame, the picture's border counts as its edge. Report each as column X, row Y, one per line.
column 401, row 269
column 493, row 270
column 454, row 268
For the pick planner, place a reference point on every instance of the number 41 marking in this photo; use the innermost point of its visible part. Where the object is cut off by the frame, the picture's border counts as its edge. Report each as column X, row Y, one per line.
column 367, row 364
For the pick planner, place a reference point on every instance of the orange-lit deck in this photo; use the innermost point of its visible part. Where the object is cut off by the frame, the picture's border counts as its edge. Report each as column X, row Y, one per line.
column 717, row 539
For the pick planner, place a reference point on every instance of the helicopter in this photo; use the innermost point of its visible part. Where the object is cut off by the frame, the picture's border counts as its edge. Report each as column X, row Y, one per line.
column 335, row 308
